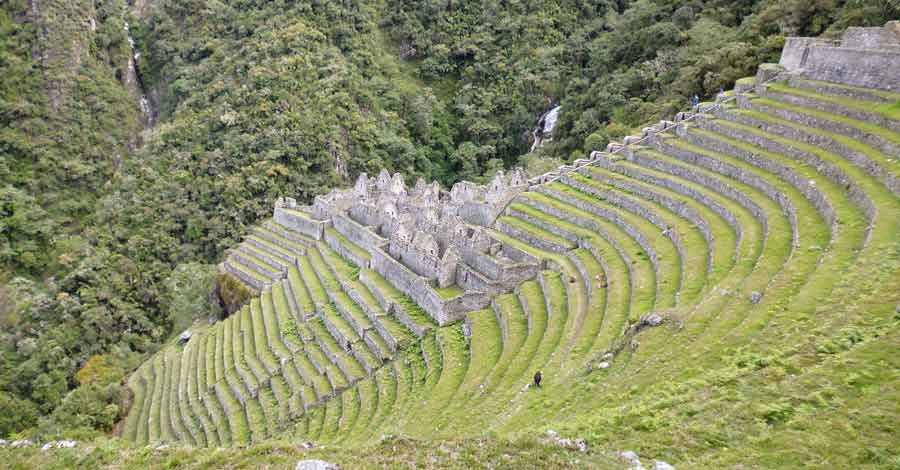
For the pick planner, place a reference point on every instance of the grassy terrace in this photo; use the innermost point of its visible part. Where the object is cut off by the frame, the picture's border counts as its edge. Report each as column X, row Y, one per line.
column 668, row 266
column 411, row 308
column 888, row 110
column 888, row 95
column 577, row 297
column 891, row 164
column 243, row 268
column 641, row 279
column 814, row 237
column 324, row 258
column 696, row 254
column 864, row 126
column 754, row 255
column 448, row 292
column 349, row 274
column 534, row 230
column 724, row 244
column 357, row 250
column 273, row 248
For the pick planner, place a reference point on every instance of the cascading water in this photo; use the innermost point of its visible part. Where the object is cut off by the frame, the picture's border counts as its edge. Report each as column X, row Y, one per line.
column 133, row 81
column 543, row 132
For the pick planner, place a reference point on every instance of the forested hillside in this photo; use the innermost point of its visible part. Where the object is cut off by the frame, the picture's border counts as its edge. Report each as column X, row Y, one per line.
column 111, row 223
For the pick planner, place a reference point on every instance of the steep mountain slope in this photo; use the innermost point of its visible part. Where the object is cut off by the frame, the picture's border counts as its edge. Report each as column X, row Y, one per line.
column 109, row 233
column 703, row 288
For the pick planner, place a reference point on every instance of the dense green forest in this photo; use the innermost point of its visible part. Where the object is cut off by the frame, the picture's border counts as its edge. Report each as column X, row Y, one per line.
column 110, row 228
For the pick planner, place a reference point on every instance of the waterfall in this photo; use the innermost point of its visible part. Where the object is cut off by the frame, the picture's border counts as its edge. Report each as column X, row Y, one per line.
column 134, row 83
column 543, row 132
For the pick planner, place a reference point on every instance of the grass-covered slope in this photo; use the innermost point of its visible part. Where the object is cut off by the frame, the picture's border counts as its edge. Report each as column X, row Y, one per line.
column 765, row 237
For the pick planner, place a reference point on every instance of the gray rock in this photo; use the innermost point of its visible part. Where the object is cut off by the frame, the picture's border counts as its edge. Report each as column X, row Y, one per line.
column 315, row 464
column 603, row 365
column 660, row 465
column 632, row 459
column 184, row 337
column 3, row 442
column 653, row 319
column 21, row 443
column 755, row 297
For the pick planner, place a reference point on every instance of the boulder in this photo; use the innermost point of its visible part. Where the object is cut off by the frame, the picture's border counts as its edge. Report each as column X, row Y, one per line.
column 184, row 337
column 632, row 459
column 660, row 465
column 315, row 464
column 755, row 297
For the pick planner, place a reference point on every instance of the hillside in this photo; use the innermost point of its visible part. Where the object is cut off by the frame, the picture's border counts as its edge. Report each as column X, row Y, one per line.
column 718, row 290
column 719, row 273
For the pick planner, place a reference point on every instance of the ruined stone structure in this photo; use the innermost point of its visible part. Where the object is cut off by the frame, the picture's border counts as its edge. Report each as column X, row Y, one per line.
column 429, row 243
column 867, row 57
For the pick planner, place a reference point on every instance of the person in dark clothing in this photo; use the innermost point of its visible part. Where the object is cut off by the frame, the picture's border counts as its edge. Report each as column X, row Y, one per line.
column 537, row 379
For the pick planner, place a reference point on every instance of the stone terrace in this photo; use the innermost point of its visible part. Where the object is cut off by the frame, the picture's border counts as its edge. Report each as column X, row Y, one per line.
column 384, row 309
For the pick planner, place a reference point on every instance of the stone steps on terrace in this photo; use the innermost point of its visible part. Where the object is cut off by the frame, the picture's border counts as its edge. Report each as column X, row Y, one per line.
column 193, row 391
column 182, row 422
column 847, row 240
column 449, row 353
column 816, row 165
column 207, row 350
column 282, row 255
column 517, row 226
column 593, row 263
column 190, row 413
column 774, row 243
column 282, row 237
column 693, row 250
column 250, row 276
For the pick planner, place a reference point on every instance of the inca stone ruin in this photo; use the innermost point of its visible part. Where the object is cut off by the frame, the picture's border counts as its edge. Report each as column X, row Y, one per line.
column 385, row 308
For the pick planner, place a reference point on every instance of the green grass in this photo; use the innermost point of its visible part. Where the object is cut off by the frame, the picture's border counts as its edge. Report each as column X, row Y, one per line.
column 412, row 309
column 888, row 110
column 453, row 353
column 801, row 378
column 448, row 292
column 248, row 270
column 893, row 96
column 864, row 126
column 723, row 246
column 270, row 323
column 301, row 295
column 273, row 249
column 357, row 250
column 695, row 255
column 890, row 164
column 533, row 229
column 642, row 276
